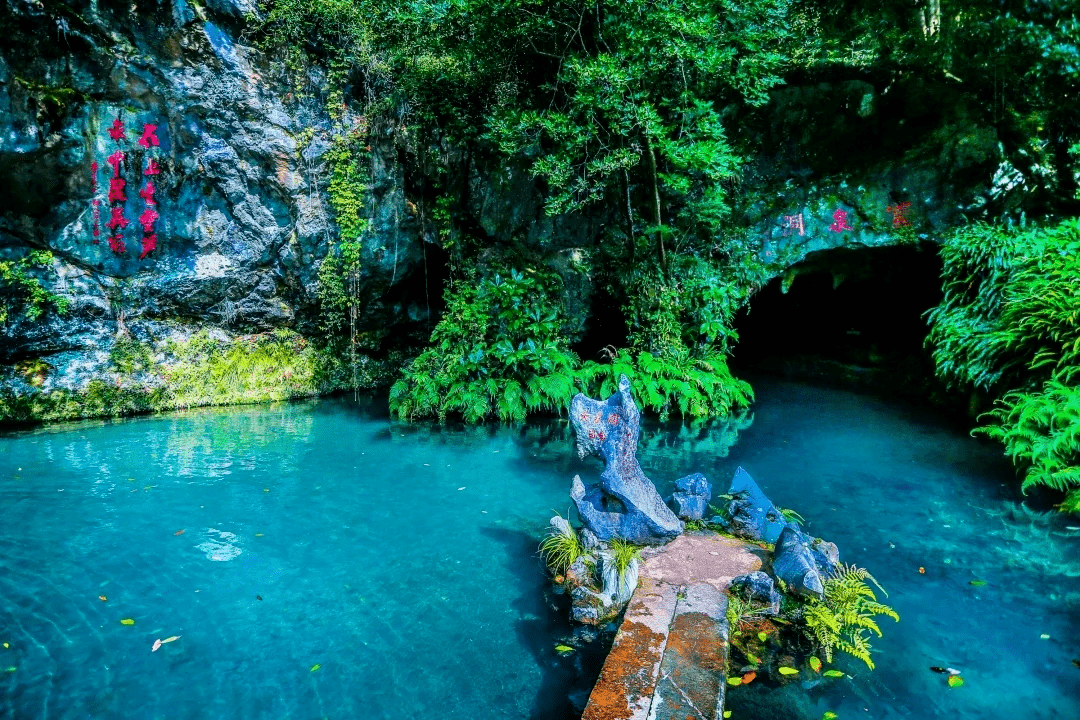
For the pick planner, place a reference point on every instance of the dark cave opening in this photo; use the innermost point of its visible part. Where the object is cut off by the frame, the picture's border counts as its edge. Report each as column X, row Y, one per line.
column 851, row 317
column 605, row 326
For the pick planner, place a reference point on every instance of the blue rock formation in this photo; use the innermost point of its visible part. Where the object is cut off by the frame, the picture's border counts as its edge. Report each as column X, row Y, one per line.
column 624, row 503
column 750, row 514
column 793, row 562
column 692, row 496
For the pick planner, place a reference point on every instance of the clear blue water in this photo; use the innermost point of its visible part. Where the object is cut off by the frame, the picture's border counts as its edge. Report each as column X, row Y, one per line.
column 401, row 561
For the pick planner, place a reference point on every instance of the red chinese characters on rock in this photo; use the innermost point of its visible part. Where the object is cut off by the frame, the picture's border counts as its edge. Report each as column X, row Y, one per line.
column 117, row 222
column 116, row 189
column 840, row 223
column 793, row 224
column 116, row 132
column 149, row 136
column 899, row 214
column 117, row 185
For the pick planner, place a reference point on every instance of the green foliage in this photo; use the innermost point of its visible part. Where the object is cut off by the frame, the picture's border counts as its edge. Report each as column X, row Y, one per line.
column 560, row 550
column 693, row 385
column 845, row 618
column 1041, row 434
column 496, row 352
column 350, row 170
column 623, row 553
column 1009, row 322
column 23, row 292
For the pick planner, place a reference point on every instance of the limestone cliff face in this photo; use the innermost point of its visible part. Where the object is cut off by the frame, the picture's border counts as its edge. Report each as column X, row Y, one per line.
column 101, row 99
column 164, row 94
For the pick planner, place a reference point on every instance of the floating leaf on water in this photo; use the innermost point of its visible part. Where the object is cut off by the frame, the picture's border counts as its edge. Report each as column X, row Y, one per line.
column 762, row 636
column 955, row 681
column 178, row 532
column 829, row 715
column 11, row 669
column 753, row 658
column 127, row 621
column 734, row 681
column 833, row 673
column 157, row 644
column 7, row 645
column 749, row 677
column 174, row 638
column 563, row 649
column 315, row 667
column 977, row 583
column 259, row 534
column 815, row 664
column 1044, row 636
column 727, row 713
column 784, row 670
column 102, row 598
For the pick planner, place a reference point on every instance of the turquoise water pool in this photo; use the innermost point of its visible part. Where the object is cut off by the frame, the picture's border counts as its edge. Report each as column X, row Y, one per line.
column 317, row 560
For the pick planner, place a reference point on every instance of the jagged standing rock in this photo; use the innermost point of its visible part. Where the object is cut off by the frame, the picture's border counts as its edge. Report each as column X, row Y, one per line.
column 624, row 503
column 751, row 514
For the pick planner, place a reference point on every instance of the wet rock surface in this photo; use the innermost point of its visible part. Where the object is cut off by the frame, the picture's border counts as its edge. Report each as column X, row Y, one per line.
column 750, row 514
column 625, row 503
column 691, row 497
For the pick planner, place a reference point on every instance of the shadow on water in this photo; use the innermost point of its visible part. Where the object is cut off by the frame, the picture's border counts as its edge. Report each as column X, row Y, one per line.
column 544, row 622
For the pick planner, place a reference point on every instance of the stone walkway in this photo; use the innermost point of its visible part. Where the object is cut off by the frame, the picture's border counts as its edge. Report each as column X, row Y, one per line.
column 669, row 655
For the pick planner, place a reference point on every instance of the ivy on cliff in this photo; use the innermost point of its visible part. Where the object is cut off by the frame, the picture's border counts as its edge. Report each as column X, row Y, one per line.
column 22, row 292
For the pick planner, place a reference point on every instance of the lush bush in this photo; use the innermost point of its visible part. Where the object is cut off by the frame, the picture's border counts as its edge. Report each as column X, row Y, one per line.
column 1008, row 323
column 496, row 352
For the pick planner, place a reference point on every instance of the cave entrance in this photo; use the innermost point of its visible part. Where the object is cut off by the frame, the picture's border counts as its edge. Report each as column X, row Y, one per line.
column 851, row 317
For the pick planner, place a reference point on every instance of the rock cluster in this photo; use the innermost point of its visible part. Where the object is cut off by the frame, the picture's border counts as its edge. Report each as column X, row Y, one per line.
column 802, row 562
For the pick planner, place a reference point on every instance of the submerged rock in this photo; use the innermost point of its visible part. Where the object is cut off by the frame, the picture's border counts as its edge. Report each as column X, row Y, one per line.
column 794, row 563
column 750, row 513
column 757, row 587
column 692, row 496
column 624, row 503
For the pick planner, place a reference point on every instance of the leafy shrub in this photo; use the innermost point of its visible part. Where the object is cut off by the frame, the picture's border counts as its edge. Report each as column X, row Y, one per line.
column 496, row 352
column 1009, row 323
column 1041, row 433
column 845, row 619
column 21, row 291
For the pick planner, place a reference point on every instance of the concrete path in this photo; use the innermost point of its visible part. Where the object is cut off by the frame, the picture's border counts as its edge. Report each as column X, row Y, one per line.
column 669, row 656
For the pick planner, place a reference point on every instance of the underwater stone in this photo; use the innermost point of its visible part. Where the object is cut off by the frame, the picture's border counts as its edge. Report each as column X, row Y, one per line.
column 692, row 495
column 793, row 563
column 757, row 587
column 751, row 514
column 624, row 503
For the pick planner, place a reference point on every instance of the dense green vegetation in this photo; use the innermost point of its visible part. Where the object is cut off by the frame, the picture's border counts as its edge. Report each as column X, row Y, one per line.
column 626, row 109
column 1008, row 326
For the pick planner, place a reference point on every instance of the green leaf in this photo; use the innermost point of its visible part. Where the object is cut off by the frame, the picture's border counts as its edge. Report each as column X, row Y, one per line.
column 315, row 667
column 833, row 673
column 977, row 583
column 563, row 649
column 727, row 713
column 127, row 621
column 815, row 663
column 734, row 680
column 829, row 715
column 955, row 681
column 762, row 636
column 784, row 670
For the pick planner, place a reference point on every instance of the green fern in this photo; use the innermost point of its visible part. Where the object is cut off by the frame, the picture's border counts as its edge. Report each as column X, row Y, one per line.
column 845, row 618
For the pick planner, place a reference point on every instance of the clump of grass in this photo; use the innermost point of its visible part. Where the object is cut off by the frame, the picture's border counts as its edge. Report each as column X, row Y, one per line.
column 561, row 549
column 623, row 553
